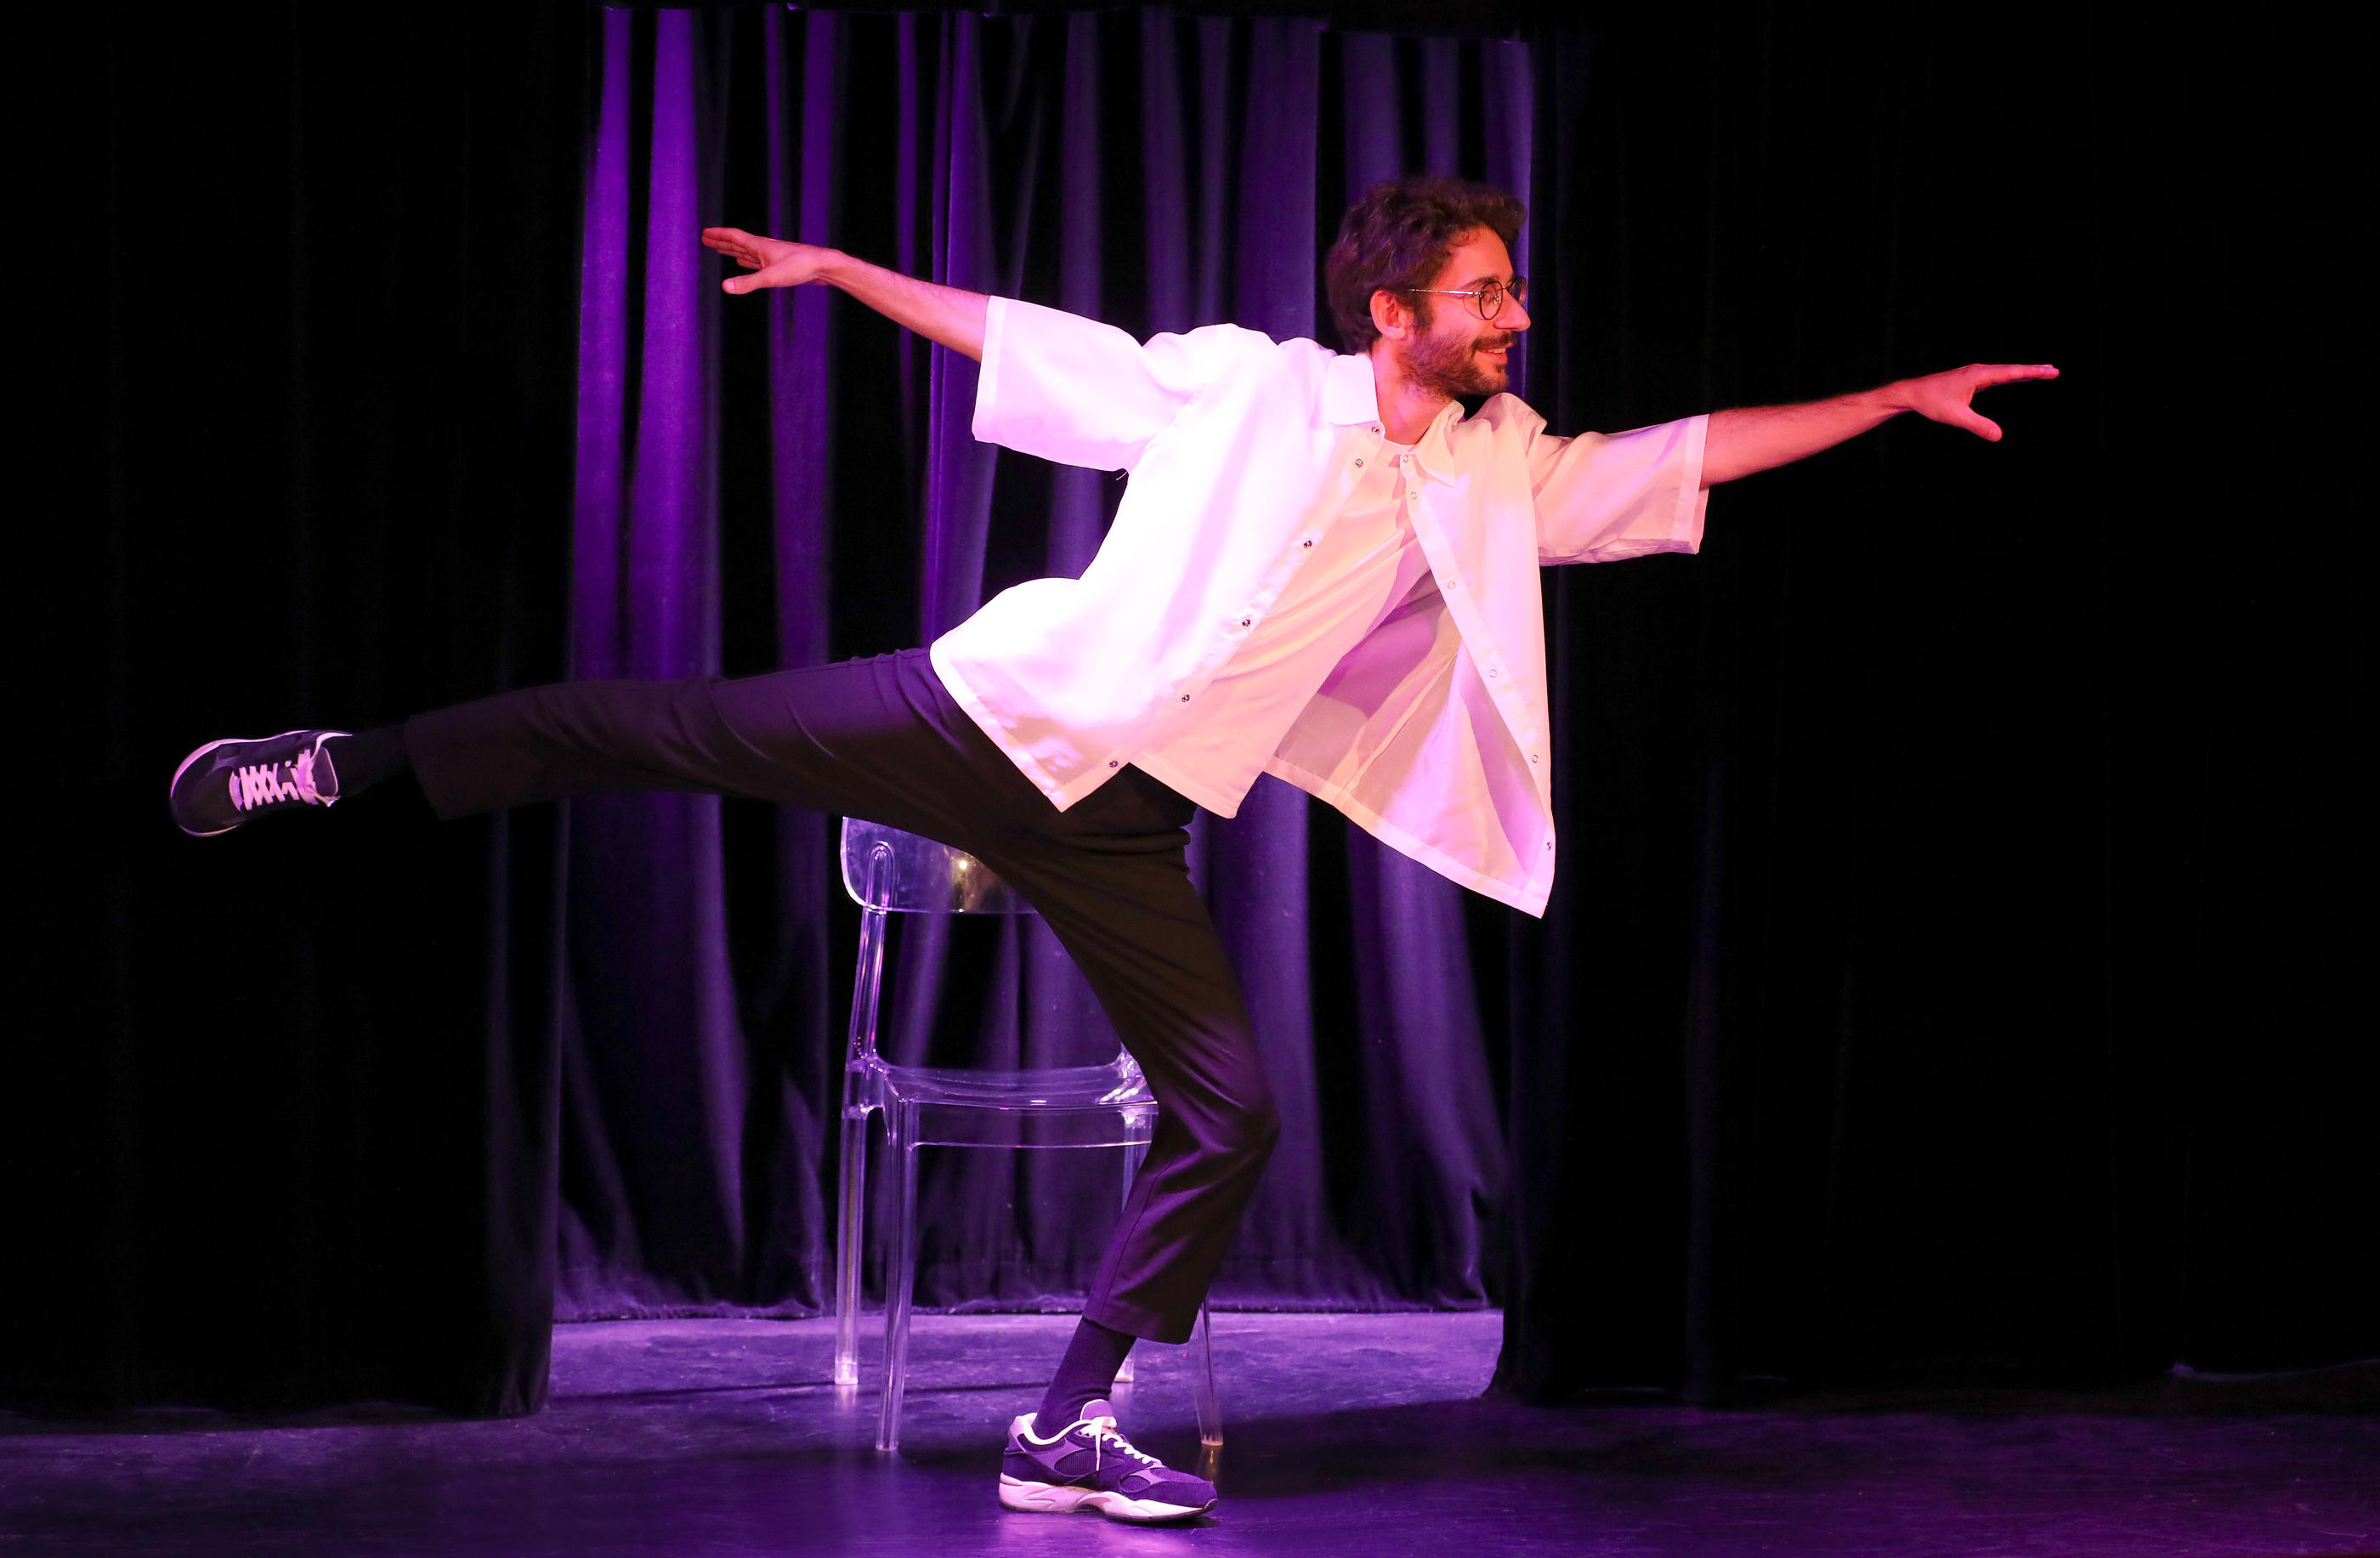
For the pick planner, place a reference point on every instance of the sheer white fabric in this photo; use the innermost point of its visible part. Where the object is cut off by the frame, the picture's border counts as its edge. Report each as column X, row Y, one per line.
column 1367, row 565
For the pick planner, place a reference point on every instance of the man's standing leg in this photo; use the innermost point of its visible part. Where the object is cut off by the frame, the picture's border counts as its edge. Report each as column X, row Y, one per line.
column 1119, row 898
column 1111, row 878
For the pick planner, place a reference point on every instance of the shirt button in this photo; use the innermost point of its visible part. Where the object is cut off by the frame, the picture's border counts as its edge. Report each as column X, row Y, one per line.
column 1186, row 698
column 1248, row 621
column 1309, row 541
column 1359, row 463
column 1492, row 670
column 1375, row 427
column 1118, row 763
column 1533, row 756
column 1549, row 844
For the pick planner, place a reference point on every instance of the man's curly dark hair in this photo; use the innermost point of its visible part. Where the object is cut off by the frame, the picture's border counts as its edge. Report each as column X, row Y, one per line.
column 1398, row 235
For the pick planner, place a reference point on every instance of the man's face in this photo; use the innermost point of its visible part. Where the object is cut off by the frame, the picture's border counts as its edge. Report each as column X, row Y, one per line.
column 1459, row 353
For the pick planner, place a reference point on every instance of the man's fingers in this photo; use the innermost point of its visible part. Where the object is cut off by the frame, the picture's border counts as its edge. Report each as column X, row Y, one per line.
column 1986, row 375
column 735, row 243
column 1949, row 397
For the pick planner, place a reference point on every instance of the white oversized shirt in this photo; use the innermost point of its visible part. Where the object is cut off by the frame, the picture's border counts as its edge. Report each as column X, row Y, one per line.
column 1431, row 732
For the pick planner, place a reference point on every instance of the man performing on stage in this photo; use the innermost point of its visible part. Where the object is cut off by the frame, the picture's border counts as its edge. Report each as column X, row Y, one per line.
column 1322, row 569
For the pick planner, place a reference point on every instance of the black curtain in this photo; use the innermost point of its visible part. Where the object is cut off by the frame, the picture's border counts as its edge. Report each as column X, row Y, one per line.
column 1968, row 974
column 303, row 281
column 1958, row 971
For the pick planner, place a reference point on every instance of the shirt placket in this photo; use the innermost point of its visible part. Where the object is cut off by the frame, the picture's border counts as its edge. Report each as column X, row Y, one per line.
column 1352, row 472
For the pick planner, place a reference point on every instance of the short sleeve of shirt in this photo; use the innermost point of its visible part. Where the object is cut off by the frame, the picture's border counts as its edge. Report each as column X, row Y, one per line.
column 1604, row 497
column 1081, row 393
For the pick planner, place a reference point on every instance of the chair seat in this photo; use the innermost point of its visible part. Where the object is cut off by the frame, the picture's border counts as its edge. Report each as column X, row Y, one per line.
column 1064, row 1087
column 1066, row 1106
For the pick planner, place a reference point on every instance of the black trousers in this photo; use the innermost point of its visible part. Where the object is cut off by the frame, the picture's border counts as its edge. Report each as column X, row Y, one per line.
column 883, row 740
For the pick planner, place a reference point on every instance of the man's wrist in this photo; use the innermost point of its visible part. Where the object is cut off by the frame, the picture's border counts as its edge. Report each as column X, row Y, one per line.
column 1889, row 401
column 837, row 269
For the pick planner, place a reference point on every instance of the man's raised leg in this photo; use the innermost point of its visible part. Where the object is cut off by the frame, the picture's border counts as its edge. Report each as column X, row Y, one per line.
column 869, row 737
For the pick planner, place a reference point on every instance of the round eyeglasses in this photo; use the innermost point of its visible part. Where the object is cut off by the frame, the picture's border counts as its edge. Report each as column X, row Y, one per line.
column 1487, row 299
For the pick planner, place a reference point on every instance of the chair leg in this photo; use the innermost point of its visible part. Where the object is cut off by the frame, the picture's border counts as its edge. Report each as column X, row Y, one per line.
column 850, row 1248
column 1202, row 1383
column 898, row 1284
column 858, row 1091
column 1133, row 1153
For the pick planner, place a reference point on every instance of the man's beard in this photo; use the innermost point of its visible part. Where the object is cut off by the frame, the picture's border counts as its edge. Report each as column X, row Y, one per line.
column 1452, row 368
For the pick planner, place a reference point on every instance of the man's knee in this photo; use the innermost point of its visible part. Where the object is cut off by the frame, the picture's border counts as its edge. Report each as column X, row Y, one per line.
column 1249, row 1132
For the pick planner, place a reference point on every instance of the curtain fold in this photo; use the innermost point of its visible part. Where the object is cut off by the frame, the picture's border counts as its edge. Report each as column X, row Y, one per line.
column 1157, row 171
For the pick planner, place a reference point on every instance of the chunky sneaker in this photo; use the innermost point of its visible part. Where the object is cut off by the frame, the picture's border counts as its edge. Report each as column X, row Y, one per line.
column 225, row 783
column 1092, row 1467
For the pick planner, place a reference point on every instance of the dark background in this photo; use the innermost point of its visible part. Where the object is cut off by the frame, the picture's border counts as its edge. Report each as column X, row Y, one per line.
column 1960, row 971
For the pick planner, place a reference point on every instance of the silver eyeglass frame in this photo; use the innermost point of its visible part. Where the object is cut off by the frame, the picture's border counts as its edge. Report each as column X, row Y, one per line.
column 1518, row 291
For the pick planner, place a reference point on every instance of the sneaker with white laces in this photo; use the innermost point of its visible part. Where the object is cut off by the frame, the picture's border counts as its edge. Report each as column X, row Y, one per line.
column 1092, row 1467
column 225, row 783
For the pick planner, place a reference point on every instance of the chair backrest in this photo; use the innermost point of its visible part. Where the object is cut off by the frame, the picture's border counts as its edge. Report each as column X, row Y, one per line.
column 902, row 873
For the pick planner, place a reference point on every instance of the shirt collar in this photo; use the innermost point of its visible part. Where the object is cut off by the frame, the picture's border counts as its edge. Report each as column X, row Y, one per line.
column 1347, row 392
column 1350, row 395
column 1434, row 452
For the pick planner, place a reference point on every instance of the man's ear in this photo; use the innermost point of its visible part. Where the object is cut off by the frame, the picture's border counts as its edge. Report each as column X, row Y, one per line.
column 1390, row 315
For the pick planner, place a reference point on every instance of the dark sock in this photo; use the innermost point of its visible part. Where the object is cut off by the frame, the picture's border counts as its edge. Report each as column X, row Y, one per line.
column 366, row 757
column 1086, row 1374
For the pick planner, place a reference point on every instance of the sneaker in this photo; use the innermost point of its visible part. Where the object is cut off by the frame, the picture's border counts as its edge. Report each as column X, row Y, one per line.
column 1091, row 1465
column 225, row 783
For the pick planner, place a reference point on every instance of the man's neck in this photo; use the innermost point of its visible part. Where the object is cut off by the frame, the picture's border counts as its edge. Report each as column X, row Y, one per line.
column 1406, row 408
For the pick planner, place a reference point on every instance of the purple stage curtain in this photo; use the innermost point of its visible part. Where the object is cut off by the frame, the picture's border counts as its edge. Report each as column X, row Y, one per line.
column 787, row 479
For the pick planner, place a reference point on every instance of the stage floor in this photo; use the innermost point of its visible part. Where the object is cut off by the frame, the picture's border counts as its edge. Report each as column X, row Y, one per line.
column 1350, row 1434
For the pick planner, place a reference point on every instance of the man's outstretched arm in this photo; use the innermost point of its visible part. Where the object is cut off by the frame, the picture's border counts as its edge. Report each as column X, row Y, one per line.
column 1762, row 437
column 945, row 314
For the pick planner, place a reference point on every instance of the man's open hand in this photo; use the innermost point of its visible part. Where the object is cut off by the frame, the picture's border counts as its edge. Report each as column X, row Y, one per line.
column 1948, row 398
column 776, row 263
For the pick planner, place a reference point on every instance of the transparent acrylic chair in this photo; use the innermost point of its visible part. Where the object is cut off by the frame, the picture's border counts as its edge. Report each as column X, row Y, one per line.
column 887, row 872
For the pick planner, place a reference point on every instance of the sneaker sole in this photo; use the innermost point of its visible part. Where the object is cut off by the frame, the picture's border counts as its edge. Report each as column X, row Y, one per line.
column 175, row 783
column 1055, row 1498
